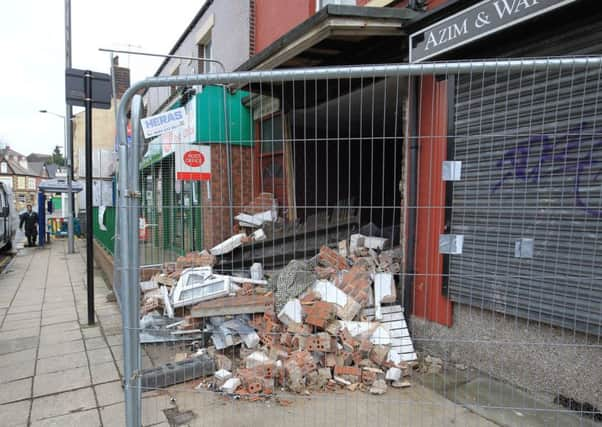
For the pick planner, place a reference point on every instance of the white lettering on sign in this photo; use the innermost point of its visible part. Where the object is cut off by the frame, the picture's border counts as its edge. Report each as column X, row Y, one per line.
column 510, row 7
column 193, row 162
column 446, row 34
column 164, row 122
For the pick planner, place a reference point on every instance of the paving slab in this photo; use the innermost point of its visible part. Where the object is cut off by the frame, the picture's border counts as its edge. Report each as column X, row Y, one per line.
column 19, row 334
column 56, row 382
column 91, row 332
column 57, row 349
column 15, row 414
column 23, row 316
column 113, row 415
column 18, row 356
column 101, row 355
column 17, row 371
column 62, row 404
column 104, row 372
column 109, row 393
column 80, row 419
column 61, row 363
column 15, row 390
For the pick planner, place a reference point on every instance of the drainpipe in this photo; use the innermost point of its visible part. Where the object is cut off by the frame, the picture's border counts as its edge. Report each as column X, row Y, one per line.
column 228, row 159
column 412, row 197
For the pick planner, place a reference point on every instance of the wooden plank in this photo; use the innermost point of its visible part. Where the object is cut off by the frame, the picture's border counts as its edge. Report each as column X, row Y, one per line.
column 228, row 306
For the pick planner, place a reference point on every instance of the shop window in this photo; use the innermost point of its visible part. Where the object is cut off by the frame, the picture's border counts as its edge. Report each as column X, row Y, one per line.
column 322, row 3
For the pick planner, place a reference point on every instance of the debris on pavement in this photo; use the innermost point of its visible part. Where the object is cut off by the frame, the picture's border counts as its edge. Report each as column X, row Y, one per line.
column 325, row 324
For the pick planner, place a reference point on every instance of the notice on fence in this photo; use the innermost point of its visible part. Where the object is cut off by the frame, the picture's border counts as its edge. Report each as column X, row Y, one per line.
column 168, row 121
column 193, row 162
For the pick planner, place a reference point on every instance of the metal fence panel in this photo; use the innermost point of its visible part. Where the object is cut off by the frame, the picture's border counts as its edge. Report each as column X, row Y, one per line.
column 303, row 283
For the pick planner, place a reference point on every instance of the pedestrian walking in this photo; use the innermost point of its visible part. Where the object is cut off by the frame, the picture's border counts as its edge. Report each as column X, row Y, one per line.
column 30, row 219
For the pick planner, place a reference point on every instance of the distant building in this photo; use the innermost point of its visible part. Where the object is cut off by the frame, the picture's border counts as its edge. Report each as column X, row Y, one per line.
column 21, row 175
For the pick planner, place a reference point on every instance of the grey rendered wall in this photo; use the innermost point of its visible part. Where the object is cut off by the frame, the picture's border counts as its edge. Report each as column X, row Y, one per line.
column 229, row 39
column 536, row 357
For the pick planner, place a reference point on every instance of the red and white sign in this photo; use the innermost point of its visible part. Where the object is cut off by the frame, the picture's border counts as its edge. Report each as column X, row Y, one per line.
column 193, row 162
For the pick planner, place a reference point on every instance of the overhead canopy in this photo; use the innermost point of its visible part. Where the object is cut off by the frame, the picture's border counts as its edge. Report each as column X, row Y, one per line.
column 59, row 185
column 339, row 35
column 336, row 35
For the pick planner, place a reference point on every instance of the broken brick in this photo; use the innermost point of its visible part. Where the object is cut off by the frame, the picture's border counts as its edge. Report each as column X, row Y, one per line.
column 349, row 343
column 331, row 258
column 368, row 377
column 319, row 314
column 356, row 283
column 379, row 354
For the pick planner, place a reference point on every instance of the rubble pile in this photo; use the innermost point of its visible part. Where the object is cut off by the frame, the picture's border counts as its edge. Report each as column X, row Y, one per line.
column 323, row 324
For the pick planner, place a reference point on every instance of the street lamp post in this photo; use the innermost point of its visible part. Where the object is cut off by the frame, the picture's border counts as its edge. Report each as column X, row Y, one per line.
column 71, row 213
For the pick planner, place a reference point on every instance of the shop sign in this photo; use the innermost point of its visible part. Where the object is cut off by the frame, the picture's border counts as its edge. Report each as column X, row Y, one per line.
column 473, row 23
column 193, row 162
column 161, row 123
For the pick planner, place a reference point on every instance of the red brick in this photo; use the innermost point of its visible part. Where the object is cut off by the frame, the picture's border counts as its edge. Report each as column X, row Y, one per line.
column 347, row 370
column 331, row 258
column 349, row 343
column 356, row 283
column 330, row 360
column 319, row 314
column 368, row 377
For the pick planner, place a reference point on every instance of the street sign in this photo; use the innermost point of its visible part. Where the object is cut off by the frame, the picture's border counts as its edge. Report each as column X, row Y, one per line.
column 161, row 123
column 475, row 22
column 193, row 162
column 102, row 88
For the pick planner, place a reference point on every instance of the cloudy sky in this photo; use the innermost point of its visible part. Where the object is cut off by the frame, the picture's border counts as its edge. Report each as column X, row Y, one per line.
column 32, row 46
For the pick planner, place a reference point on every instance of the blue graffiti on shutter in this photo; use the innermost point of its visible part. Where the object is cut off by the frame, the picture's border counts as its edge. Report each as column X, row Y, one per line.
column 575, row 154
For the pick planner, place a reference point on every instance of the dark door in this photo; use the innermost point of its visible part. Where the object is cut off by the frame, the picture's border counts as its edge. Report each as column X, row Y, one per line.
column 271, row 174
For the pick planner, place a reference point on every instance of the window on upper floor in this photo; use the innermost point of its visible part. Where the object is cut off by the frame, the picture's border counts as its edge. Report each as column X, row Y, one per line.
column 321, row 3
column 174, row 89
column 3, row 167
column 204, row 52
column 31, row 183
column 21, row 182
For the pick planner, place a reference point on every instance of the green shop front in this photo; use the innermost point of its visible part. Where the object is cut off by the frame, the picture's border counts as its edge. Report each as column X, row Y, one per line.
column 171, row 218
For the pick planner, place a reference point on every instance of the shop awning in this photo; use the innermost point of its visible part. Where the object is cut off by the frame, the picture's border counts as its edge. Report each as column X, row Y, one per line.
column 339, row 35
column 59, row 185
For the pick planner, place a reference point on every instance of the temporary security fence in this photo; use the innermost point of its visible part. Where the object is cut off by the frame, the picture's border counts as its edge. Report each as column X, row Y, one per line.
column 394, row 245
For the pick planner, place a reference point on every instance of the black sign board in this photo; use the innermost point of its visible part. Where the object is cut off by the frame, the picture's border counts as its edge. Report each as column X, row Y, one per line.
column 102, row 88
column 480, row 20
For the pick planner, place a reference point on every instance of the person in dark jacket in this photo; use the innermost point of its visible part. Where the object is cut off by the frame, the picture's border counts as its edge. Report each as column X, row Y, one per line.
column 30, row 219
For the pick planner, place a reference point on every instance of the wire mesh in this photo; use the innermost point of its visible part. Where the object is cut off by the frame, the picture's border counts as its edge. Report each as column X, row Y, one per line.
column 403, row 245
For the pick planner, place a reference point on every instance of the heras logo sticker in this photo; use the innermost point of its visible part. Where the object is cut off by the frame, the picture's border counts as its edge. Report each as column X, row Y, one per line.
column 193, row 158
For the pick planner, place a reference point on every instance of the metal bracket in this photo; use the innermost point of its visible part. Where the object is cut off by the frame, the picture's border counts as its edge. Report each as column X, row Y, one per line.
column 133, row 194
column 523, row 248
column 451, row 170
column 451, row 244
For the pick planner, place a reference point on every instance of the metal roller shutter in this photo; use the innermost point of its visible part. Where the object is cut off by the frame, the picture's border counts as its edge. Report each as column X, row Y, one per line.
column 531, row 151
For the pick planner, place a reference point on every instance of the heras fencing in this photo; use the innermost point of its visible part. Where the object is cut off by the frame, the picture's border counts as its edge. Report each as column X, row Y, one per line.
column 400, row 245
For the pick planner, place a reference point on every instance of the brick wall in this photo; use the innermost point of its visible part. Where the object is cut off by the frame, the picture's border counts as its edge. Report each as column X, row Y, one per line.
column 122, row 80
column 216, row 220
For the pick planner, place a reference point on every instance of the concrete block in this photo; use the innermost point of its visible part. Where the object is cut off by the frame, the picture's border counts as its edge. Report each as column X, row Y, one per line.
column 292, row 312
column 393, row 374
column 230, row 385
column 223, row 375
column 256, row 358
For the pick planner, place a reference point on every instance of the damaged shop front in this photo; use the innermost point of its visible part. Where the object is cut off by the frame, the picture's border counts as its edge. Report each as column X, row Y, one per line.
column 297, row 284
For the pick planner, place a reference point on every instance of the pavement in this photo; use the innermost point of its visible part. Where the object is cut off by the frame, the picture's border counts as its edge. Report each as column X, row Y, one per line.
column 56, row 370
